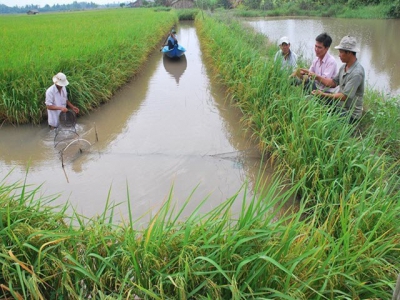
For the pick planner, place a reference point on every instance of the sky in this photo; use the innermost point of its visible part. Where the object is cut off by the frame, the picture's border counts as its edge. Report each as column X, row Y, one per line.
column 42, row 3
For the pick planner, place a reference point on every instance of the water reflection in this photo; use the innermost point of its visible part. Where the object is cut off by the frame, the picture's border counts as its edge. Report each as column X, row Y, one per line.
column 175, row 67
column 378, row 41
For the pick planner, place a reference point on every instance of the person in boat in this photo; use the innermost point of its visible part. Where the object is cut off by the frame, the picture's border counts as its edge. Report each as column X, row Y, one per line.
column 350, row 81
column 172, row 39
column 285, row 56
column 323, row 66
column 57, row 100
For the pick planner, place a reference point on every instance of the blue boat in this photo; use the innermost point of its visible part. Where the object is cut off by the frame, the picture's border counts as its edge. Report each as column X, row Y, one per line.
column 177, row 51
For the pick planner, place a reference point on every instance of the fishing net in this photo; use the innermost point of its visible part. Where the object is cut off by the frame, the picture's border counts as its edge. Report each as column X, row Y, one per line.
column 67, row 119
column 67, row 140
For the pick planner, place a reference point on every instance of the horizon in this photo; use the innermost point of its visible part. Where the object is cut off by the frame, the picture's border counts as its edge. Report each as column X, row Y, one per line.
column 42, row 3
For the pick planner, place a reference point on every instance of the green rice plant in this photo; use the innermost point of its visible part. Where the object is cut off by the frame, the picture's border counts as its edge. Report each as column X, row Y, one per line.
column 339, row 242
column 381, row 115
column 216, row 255
column 245, row 13
column 187, row 14
column 310, row 144
column 97, row 50
column 278, row 114
column 161, row 8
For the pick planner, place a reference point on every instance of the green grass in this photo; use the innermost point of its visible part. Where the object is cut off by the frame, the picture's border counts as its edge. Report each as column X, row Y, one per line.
column 339, row 171
column 187, row 14
column 383, row 117
column 366, row 12
column 338, row 10
column 97, row 50
column 340, row 243
column 259, row 253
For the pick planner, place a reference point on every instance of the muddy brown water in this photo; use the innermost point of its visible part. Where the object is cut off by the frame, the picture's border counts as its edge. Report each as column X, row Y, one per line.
column 169, row 130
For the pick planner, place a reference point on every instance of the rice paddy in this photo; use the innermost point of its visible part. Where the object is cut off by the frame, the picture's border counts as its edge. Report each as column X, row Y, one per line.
column 99, row 50
column 342, row 243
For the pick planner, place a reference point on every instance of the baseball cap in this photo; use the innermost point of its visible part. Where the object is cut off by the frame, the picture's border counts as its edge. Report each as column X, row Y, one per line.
column 283, row 39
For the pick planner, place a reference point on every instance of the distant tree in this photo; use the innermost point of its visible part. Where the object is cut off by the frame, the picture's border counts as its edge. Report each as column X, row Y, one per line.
column 122, row 5
column 253, row 4
column 394, row 11
column 160, row 3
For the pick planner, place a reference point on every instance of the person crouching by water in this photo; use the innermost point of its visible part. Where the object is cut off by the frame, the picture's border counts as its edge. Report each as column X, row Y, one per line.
column 350, row 80
column 172, row 39
column 323, row 66
column 285, row 56
column 57, row 100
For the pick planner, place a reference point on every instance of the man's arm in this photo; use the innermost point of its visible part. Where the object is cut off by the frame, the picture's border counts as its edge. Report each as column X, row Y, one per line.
column 55, row 107
column 174, row 37
column 335, row 96
column 74, row 108
column 325, row 81
column 62, row 108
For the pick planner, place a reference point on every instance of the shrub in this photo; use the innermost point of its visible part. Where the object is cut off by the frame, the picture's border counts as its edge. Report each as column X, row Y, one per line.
column 394, row 10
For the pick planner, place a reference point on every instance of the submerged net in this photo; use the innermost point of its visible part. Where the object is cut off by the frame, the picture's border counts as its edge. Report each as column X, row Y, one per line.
column 66, row 140
column 67, row 119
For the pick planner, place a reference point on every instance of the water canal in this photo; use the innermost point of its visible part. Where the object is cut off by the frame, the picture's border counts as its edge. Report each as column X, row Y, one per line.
column 378, row 40
column 170, row 128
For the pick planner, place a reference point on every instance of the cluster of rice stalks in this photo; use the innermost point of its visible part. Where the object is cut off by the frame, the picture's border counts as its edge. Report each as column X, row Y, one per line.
column 45, row 254
column 340, row 172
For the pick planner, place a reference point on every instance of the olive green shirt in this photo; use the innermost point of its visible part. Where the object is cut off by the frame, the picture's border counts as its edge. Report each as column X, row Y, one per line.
column 351, row 84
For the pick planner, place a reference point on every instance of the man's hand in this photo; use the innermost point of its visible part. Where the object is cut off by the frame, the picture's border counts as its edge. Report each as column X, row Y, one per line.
column 310, row 74
column 304, row 71
column 318, row 93
column 75, row 109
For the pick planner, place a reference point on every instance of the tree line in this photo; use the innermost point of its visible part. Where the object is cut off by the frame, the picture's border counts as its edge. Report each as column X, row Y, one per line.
column 391, row 8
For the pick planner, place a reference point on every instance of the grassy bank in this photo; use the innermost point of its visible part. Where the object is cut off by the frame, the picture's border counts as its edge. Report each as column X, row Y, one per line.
column 97, row 50
column 45, row 254
column 337, row 10
column 340, row 172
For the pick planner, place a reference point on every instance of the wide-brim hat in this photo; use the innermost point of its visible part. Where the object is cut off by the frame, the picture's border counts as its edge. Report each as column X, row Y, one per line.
column 348, row 43
column 60, row 79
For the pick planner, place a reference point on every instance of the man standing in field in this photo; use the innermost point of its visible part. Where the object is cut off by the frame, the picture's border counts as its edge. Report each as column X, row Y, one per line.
column 350, row 80
column 324, row 65
column 57, row 100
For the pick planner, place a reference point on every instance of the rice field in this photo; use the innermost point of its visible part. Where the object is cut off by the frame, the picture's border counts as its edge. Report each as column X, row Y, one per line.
column 342, row 243
column 97, row 50
column 340, row 168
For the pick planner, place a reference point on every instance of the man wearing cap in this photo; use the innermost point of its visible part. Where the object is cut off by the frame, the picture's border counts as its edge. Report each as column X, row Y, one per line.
column 57, row 100
column 350, row 80
column 287, row 57
column 172, row 40
column 324, row 65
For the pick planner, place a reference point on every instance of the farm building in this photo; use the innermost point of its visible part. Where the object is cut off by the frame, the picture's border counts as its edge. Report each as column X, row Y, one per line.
column 32, row 12
column 137, row 3
column 181, row 3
